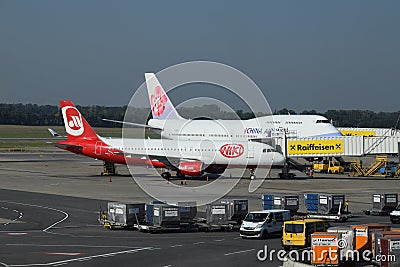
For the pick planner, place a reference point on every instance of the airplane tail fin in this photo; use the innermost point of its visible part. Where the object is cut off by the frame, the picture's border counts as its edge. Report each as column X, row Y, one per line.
column 161, row 105
column 53, row 133
column 75, row 124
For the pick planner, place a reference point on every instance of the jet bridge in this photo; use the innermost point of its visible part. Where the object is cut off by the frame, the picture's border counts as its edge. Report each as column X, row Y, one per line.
column 339, row 146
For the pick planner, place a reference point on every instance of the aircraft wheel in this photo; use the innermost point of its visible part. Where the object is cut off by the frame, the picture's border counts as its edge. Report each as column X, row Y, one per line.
column 166, row 175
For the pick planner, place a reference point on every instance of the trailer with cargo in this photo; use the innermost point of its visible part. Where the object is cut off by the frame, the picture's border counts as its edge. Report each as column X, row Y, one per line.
column 217, row 218
column 237, row 209
column 363, row 233
column 281, row 201
column 376, row 237
column 160, row 217
column 390, row 251
column 348, row 241
column 383, row 204
column 122, row 215
column 330, row 207
column 395, row 215
column 326, row 248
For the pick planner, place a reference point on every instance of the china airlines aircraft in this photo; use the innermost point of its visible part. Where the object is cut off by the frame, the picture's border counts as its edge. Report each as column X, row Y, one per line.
column 173, row 126
column 192, row 158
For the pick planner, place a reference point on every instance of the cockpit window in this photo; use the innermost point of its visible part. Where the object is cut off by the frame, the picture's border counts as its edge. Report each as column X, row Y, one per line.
column 323, row 121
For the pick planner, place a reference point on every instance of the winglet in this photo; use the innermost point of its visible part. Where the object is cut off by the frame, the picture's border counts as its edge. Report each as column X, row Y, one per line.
column 161, row 105
column 53, row 133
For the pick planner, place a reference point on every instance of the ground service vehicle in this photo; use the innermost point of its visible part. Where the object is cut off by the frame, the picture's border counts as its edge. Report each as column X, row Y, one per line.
column 334, row 167
column 395, row 215
column 297, row 233
column 262, row 223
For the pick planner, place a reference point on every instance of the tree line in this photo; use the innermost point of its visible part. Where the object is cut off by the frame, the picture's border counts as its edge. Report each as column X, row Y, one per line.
column 48, row 115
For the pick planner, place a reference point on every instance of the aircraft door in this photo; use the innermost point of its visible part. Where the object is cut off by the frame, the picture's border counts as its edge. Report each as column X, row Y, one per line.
column 97, row 148
column 250, row 153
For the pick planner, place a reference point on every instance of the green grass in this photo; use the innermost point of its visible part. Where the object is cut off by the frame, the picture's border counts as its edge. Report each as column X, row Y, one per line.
column 17, row 131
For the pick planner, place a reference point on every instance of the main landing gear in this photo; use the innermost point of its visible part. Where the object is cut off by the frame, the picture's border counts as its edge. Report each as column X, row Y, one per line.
column 166, row 175
column 109, row 168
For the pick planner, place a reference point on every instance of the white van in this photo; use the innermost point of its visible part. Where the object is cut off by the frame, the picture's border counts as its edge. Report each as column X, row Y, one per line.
column 262, row 223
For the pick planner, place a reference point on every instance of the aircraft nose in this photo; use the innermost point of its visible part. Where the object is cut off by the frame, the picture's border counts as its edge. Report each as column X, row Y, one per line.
column 279, row 159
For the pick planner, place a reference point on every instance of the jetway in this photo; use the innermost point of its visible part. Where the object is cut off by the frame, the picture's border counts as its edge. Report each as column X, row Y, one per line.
column 369, row 132
column 339, row 146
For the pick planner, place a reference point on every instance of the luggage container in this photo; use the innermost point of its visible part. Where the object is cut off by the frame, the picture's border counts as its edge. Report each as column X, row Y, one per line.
column 326, row 249
column 281, row 201
column 363, row 234
column 383, row 203
column 390, row 251
column 237, row 209
column 326, row 206
column 347, row 246
column 124, row 215
column 375, row 241
column 311, row 202
column 217, row 214
column 161, row 217
column 166, row 216
column 331, row 204
column 187, row 210
column 149, row 213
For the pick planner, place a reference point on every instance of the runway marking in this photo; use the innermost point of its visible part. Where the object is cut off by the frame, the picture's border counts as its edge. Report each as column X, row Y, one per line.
column 198, row 243
column 237, row 252
column 57, row 263
column 237, row 237
column 64, row 253
column 22, row 233
column 20, row 215
column 44, row 207
column 175, row 246
column 61, row 245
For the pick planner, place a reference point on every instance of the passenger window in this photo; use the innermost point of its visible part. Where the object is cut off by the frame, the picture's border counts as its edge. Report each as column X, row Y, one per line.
column 264, row 150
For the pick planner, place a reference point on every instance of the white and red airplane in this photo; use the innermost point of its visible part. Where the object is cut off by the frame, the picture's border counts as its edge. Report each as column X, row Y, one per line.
column 192, row 158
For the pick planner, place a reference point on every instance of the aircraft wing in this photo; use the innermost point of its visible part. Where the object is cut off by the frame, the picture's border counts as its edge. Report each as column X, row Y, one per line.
column 135, row 124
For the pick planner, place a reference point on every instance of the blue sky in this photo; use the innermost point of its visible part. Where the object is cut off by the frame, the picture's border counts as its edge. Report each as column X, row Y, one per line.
column 302, row 54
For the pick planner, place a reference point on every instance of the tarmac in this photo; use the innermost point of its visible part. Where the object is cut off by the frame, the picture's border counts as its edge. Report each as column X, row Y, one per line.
column 49, row 205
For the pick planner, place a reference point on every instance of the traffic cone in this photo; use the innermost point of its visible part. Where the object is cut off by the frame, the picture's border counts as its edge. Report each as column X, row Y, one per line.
column 110, row 180
column 185, row 183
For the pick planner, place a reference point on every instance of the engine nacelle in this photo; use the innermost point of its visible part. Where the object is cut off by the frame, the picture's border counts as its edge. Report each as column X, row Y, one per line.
column 191, row 168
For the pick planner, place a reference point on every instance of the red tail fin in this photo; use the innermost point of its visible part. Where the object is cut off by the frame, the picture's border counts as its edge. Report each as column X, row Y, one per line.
column 75, row 124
